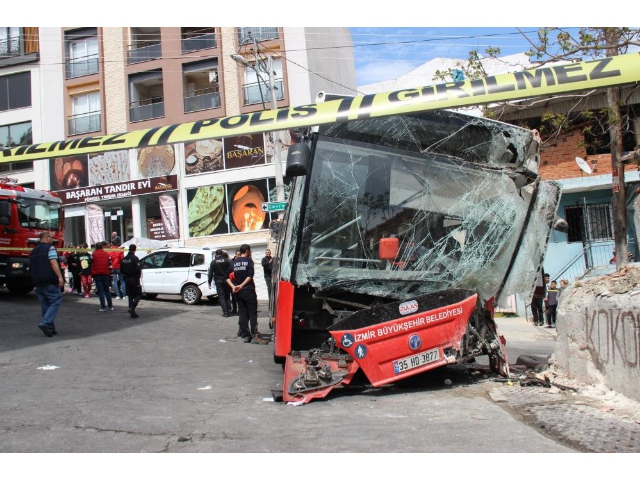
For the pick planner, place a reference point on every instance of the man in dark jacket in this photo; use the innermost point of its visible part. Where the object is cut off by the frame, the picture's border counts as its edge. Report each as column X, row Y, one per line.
column 46, row 275
column 131, row 271
column 267, row 266
column 243, row 286
column 73, row 263
column 218, row 275
column 539, row 292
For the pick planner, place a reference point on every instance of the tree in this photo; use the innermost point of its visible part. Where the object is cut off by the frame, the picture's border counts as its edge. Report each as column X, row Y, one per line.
column 578, row 44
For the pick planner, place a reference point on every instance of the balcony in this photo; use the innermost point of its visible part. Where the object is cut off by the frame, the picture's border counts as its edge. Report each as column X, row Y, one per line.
column 145, row 53
column 13, row 52
column 199, row 42
column 81, row 67
column 146, row 109
column 201, row 100
column 84, row 123
column 251, row 93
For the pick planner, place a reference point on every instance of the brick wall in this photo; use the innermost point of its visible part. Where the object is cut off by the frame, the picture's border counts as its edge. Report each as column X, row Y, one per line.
column 558, row 158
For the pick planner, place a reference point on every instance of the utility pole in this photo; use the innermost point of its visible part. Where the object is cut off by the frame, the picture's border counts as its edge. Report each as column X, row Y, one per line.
column 276, row 135
column 256, row 66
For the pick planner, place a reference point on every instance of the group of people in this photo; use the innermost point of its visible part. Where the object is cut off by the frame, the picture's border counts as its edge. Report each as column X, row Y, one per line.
column 100, row 267
column 233, row 280
column 236, row 289
column 544, row 303
column 81, row 269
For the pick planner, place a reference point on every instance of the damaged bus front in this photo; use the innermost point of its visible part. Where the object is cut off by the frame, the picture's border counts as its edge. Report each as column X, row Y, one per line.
column 401, row 236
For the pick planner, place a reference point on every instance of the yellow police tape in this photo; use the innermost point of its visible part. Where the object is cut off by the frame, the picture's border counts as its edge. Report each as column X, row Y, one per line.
column 75, row 250
column 547, row 80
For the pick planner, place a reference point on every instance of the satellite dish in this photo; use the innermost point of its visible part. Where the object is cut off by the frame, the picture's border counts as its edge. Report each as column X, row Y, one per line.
column 584, row 166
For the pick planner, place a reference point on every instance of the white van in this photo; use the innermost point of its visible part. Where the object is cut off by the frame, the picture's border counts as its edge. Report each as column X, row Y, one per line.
column 178, row 271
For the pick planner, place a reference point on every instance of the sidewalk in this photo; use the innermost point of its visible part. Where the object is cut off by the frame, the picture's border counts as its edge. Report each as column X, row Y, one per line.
column 591, row 418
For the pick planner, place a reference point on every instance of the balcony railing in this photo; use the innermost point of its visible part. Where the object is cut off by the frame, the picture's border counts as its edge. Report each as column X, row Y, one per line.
column 146, row 109
column 258, row 33
column 84, row 123
column 11, row 47
column 144, row 54
column 82, row 67
column 201, row 101
column 198, row 43
column 251, row 93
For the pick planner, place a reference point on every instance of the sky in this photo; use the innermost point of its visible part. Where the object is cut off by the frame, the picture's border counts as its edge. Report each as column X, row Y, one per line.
column 385, row 53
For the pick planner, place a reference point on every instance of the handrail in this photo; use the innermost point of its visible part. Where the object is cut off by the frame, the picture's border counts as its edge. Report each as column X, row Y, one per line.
column 572, row 262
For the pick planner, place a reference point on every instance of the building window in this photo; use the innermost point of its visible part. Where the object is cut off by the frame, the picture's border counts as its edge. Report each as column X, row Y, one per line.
column 146, row 96
column 201, row 90
column 86, row 113
column 257, row 33
column 15, row 91
column 12, row 136
column 145, row 44
column 256, row 89
column 197, row 38
column 589, row 223
column 82, row 52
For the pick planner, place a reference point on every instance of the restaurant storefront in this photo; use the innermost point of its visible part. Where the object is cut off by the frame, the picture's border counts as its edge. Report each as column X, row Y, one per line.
column 208, row 192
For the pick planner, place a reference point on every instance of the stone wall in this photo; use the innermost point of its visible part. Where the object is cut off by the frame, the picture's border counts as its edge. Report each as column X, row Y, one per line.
column 599, row 331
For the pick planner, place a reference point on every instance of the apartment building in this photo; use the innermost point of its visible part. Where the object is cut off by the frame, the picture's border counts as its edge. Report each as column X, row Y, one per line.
column 72, row 82
column 31, row 100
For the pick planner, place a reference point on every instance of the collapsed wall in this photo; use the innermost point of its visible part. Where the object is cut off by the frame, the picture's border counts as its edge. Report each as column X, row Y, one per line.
column 599, row 331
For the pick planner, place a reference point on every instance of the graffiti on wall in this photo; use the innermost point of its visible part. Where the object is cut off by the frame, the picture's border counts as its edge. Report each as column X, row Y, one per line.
column 613, row 337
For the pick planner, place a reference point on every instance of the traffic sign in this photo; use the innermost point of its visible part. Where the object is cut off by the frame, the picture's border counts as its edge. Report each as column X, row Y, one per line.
column 273, row 206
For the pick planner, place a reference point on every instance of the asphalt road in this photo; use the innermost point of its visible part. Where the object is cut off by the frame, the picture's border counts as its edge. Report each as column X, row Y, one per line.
column 177, row 380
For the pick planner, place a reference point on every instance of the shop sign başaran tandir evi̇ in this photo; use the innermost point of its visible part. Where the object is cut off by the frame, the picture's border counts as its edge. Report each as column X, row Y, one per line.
column 119, row 190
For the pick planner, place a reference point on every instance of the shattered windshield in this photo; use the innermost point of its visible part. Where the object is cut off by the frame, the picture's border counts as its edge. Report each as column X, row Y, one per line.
column 406, row 206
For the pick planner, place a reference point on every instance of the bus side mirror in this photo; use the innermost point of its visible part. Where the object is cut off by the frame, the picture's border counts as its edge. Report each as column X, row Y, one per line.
column 298, row 160
column 388, row 248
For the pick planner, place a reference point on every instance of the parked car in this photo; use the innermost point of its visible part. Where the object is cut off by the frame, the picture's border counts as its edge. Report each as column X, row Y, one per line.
column 177, row 271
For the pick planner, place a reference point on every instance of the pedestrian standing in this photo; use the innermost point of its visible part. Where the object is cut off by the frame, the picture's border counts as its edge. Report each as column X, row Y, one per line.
column 551, row 302
column 218, row 274
column 131, row 271
column 564, row 283
column 244, row 287
column 73, row 263
column 267, row 265
column 234, row 296
column 84, row 258
column 46, row 275
column 101, row 273
column 116, row 241
column 119, row 288
column 539, row 293
column 62, row 262
column 69, row 277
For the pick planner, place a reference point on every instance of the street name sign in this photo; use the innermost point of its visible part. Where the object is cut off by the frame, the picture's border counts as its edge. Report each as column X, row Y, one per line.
column 273, row 206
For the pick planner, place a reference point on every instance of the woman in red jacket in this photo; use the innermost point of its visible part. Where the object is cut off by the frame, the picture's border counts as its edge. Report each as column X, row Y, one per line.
column 101, row 273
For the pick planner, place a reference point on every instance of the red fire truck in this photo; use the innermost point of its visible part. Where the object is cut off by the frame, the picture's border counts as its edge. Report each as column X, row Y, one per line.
column 24, row 213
